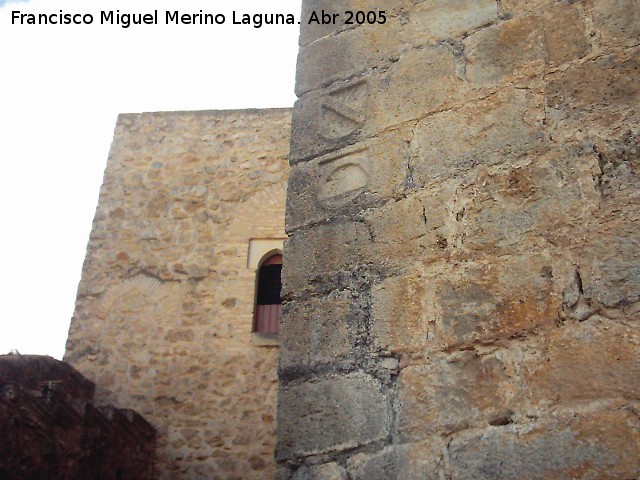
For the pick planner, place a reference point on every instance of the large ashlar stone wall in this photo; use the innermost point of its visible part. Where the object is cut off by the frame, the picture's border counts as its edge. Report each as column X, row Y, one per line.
column 164, row 310
column 463, row 267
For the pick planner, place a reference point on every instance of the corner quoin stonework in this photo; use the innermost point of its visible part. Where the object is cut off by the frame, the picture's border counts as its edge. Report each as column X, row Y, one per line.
column 463, row 268
column 164, row 310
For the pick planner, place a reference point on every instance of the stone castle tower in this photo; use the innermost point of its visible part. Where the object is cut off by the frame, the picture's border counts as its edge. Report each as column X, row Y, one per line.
column 461, row 275
column 191, row 204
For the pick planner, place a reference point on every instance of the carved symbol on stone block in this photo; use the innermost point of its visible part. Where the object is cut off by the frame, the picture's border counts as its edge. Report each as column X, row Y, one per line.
column 343, row 179
column 342, row 111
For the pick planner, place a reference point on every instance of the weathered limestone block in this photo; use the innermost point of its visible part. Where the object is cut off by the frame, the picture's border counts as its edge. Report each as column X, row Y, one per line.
column 416, row 461
column 492, row 131
column 510, row 8
column 597, row 445
column 537, row 201
column 423, row 460
column 519, row 49
column 484, row 301
column 591, row 360
column 606, row 272
column 596, row 97
column 421, row 82
column 618, row 22
column 506, row 52
column 321, row 251
column 440, row 20
column 384, row 238
column 503, row 219
column 398, row 230
column 343, row 56
column 400, row 319
column 352, row 52
column 335, row 413
column 619, row 164
column 346, row 182
column 437, row 206
column 612, row 277
column 329, row 471
column 322, row 330
column 565, row 33
column 563, row 25
column 378, row 466
column 455, row 392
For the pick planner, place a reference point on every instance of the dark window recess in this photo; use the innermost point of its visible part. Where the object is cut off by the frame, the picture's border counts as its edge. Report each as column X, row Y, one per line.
column 269, row 303
column 269, row 285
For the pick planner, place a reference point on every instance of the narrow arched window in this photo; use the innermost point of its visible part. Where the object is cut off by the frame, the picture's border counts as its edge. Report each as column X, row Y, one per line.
column 268, row 302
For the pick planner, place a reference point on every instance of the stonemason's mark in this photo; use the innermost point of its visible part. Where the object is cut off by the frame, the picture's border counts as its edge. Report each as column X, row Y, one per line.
column 342, row 111
column 343, row 179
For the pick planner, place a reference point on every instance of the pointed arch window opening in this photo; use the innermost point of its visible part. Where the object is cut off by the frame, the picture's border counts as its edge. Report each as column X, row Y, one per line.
column 266, row 318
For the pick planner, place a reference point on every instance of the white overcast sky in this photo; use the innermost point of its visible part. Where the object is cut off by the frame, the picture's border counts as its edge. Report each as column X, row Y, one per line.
column 61, row 88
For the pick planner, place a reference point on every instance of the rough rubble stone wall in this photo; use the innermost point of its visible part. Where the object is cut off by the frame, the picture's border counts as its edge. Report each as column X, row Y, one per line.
column 463, row 267
column 164, row 310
